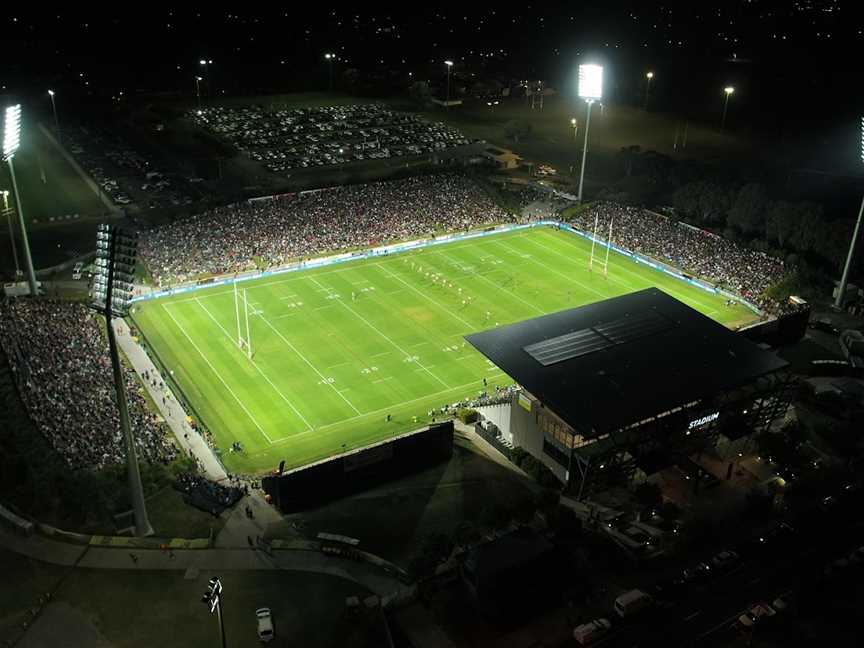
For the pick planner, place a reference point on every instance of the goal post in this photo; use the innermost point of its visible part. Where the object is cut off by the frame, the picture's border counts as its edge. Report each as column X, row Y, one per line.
column 594, row 253
column 241, row 340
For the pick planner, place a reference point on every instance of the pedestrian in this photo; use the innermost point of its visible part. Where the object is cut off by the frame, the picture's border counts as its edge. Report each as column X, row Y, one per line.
column 133, row 557
column 171, row 554
column 249, row 540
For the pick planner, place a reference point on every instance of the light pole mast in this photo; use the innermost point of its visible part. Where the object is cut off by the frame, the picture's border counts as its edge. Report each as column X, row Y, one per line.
column 449, row 65
column 330, row 57
column 841, row 289
column 11, row 142
column 7, row 212
column 198, row 92
column 728, row 90
column 591, row 90
column 56, row 121
column 648, row 76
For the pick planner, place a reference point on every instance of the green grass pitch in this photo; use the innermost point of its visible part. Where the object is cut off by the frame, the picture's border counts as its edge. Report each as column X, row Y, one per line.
column 328, row 368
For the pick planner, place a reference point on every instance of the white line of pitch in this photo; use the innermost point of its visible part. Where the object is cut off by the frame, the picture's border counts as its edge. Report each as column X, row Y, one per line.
column 290, row 404
column 240, row 402
column 374, row 328
column 382, row 410
column 295, row 350
column 398, row 278
column 494, row 285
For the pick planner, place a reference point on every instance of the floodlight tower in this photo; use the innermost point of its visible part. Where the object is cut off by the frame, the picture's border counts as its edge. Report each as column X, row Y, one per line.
column 207, row 63
column 7, row 212
column 590, row 89
column 11, row 142
column 728, row 90
column 449, row 65
column 56, row 121
column 841, row 289
column 649, row 76
column 116, row 251
column 575, row 124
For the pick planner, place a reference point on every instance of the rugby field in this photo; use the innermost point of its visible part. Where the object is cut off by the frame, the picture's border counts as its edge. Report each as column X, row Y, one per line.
column 338, row 349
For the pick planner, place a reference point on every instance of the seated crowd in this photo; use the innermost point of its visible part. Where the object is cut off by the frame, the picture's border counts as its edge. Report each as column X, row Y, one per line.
column 59, row 357
column 230, row 239
column 703, row 254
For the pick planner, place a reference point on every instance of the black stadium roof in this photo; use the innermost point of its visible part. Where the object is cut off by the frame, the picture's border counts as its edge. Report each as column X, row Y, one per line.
column 609, row 364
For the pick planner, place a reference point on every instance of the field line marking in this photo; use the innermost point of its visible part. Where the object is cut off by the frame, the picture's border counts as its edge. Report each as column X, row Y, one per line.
column 306, row 360
column 550, row 268
column 383, row 353
column 218, row 375
column 621, row 264
column 493, row 284
column 471, row 327
column 375, row 328
column 276, row 389
column 379, row 411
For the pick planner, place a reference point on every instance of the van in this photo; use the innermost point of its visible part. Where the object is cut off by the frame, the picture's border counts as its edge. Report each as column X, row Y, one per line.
column 588, row 633
column 632, row 602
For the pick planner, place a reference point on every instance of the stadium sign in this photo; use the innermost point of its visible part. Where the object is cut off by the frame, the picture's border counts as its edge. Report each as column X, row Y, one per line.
column 704, row 420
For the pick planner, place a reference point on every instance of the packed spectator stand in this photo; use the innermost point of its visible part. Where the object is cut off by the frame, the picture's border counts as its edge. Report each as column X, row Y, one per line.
column 703, row 254
column 59, row 358
column 229, row 239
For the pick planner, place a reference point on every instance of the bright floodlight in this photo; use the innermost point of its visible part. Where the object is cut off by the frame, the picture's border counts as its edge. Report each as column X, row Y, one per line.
column 650, row 75
column 51, row 92
column 448, row 63
column 591, row 82
column 11, row 131
column 728, row 90
column 573, row 121
column 328, row 56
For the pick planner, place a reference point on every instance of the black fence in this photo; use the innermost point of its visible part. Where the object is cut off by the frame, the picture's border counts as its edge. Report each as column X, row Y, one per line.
column 328, row 480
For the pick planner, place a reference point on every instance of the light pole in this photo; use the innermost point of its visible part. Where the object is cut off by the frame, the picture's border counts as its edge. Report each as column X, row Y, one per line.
column 8, row 213
column 212, row 598
column 648, row 76
column 449, row 65
column 198, row 91
column 841, row 289
column 56, row 121
column 728, row 90
column 590, row 89
column 575, row 124
column 11, row 141
column 207, row 63
column 330, row 58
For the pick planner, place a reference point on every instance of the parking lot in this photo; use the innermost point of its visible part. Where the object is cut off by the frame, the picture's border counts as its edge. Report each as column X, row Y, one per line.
column 283, row 140
column 127, row 176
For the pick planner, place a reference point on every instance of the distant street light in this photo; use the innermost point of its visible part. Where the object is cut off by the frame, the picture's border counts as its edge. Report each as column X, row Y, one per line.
column 56, row 121
column 648, row 76
column 575, row 124
column 207, row 63
column 841, row 289
column 449, row 65
column 198, row 80
column 11, row 142
column 590, row 89
column 728, row 90
column 330, row 58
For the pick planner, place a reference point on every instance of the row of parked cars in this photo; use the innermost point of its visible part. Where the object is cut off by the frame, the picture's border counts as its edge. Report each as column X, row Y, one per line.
column 284, row 139
column 124, row 174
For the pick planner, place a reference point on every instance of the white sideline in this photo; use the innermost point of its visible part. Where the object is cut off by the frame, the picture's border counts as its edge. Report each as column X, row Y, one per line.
column 306, row 360
column 374, row 328
column 276, row 389
column 218, row 375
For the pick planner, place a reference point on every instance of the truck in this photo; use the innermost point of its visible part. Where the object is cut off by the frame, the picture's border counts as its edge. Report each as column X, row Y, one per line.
column 632, row 602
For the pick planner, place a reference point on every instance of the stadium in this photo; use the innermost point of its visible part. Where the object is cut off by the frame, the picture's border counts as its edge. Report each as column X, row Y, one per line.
column 328, row 354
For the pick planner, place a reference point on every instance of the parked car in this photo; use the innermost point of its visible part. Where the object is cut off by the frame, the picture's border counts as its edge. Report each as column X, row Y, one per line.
column 756, row 613
column 265, row 625
column 632, row 602
column 725, row 559
column 588, row 633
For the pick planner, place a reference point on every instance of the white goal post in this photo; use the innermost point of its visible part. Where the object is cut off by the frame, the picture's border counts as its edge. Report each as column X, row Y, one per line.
column 605, row 262
column 241, row 340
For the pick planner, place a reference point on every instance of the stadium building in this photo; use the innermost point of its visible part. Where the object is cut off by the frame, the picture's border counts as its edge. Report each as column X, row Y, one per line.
column 633, row 383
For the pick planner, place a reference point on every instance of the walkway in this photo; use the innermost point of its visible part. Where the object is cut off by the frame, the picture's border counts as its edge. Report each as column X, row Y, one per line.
column 171, row 410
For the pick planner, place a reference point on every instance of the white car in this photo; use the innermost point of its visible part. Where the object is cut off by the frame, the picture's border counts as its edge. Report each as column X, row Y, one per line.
column 588, row 633
column 265, row 625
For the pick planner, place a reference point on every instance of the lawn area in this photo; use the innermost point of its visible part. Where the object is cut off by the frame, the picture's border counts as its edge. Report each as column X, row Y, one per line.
column 337, row 350
column 61, row 196
column 162, row 608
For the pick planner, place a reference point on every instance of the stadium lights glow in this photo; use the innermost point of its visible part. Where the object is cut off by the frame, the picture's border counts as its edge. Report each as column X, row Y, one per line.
column 11, row 131
column 51, row 92
column 590, row 82
column 573, row 121
column 649, row 76
column 329, row 56
column 205, row 62
column 448, row 63
column 728, row 90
